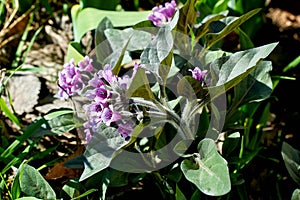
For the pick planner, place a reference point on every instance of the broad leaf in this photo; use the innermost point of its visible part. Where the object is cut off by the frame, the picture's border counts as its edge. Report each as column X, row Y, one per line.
column 157, row 51
column 209, row 172
column 296, row 194
column 139, row 86
column 118, row 38
column 99, row 152
column 190, row 88
column 33, row 184
column 58, row 125
column 179, row 194
column 102, row 46
column 203, row 27
column 291, row 158
column 228, row 71
column 82, row 22
column 257, row 86
column 74, row 52
column 231, row 24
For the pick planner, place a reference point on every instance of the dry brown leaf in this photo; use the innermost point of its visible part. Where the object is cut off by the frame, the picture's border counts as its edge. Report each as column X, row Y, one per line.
column 60, row 171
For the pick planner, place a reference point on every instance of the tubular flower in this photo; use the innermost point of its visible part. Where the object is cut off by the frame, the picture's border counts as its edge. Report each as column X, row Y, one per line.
column 106, row 101
column 69, row 80
column 198, row 74
column 163, row 14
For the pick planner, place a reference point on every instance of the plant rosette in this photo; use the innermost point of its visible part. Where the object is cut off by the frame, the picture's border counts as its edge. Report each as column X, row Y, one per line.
column 152, row 98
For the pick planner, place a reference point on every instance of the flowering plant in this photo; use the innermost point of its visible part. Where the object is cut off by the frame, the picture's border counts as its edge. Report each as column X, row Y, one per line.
column 154, row 99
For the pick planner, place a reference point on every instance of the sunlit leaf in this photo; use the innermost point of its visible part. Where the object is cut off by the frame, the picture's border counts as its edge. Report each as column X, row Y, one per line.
column 209, row 172
column 8, row 112
column 228, row 71
column 139, row 86
column 99, row 152
column 33, row 184
column 74, row 52
column 81, row 19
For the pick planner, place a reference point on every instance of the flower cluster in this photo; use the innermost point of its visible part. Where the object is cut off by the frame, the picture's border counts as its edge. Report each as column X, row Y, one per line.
column 71, row 77
column 163, row 14
column 104, row 91
column 108, row 102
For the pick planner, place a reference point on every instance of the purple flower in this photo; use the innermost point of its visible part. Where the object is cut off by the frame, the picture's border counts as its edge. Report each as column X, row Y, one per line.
column 124, row 82
column 198, row 74
column 87, row 131
column 102, row 94
column 86, row 64
column 108, row 74
column 96, row 81
column 163, row 14
column 69, row 80
column 109, row 115
column 95, row 108
column 89, row 127
column 125, row 129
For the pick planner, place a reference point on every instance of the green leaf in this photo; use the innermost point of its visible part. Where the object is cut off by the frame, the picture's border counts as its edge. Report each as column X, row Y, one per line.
column 179, row 195
column 8, row 113
column 58, row 125
column 118, row 38
column 228, row 71
column 90, row 191
column 257, row 86
column 33, row 184
column 230, row 144
column 190, row 88
column 81, row 19
column 291, row 158
column 74, row 52
column 220, row 6
column 99, row 152
column 102, row 47
column 139, row 86
column 28, row 198
column 211, row 56
column 203, row 27
column 245, row 40
column 187, row 17
column 158, row 52
column 209, row 172
column 118, row 64
column 231, row 24
column 16, row 189
column 296, row 194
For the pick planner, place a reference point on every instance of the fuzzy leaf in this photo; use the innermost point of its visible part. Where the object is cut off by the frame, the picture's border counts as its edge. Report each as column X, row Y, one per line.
column 257, row 86
column 158, row 51
column 99, row 152
column 139, row 86
column 210, row 171
column 228, row 71
column 33, row 184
